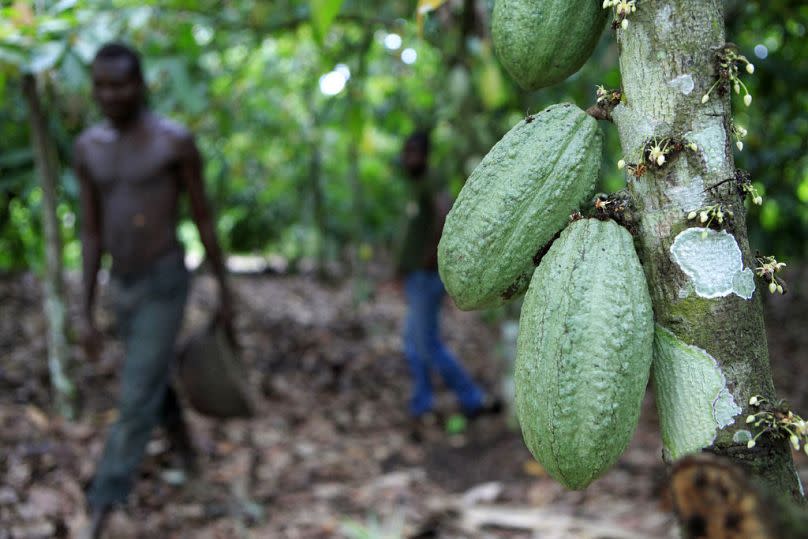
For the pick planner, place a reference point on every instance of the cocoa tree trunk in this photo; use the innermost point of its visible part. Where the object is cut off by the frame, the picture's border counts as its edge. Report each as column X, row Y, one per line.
column 64, row 391
column 667, row 64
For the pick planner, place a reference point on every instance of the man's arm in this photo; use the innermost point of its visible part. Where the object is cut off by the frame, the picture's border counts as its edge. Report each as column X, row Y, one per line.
column 441, row 204
column 191, row 176
column 90, row 250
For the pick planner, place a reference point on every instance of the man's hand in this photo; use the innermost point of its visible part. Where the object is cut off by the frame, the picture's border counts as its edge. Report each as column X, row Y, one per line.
column 91, row 339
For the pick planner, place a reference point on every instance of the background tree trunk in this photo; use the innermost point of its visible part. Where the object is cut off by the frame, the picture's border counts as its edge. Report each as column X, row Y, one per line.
column 64, row 392
column 667, row 64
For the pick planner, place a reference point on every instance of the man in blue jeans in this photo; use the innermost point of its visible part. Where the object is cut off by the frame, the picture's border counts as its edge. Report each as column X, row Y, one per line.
column 418, row 265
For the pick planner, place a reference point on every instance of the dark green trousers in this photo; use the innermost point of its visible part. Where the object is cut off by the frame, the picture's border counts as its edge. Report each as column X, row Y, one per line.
column 149, row 308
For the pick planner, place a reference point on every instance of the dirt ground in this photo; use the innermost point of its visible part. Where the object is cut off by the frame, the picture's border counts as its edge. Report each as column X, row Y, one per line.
column 331, row 452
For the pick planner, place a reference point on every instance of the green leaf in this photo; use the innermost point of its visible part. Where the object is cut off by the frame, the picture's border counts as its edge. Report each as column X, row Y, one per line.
column 17, row 182
column 355, row 120
column 46, row 56
column 12, row 57
column 456, row 424
column 424, row 7
column 16, row 158
column 54, row 25
column 323, row 13
column 61, row 6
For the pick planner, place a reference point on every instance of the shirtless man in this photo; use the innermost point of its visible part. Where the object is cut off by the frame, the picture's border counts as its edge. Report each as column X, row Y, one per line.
column 132, row 170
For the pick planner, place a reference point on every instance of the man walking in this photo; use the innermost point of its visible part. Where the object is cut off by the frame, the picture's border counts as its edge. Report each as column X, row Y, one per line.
column 418, row 265
column 132, row 169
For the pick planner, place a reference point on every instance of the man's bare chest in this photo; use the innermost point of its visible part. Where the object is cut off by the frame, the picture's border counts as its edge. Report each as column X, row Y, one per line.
column 121, row 164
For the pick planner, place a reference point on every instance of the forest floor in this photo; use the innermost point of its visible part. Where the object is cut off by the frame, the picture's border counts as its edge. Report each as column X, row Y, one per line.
column 331, row 452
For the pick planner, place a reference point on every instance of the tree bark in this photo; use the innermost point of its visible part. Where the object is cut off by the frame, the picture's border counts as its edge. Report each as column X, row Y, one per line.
column 667, row 64
column 318, row 207
column 64, row 391
column 357, row 100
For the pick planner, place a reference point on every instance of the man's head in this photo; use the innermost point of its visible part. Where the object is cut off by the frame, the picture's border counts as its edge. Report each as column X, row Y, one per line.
column 118, row 85
column 415, row 154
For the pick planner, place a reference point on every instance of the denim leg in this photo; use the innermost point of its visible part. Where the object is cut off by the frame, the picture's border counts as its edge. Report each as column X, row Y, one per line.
column 453, row 374
column 416, row 348
column 149, row 329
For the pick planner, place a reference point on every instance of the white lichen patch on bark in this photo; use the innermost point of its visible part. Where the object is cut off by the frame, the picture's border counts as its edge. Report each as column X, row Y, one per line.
column 712, row 260
column 633, row 126
column 712, row 141
column 692, row 397
column 743, row 283
column 741, row 436
column 724, row 407
column 663, row 22
column 683, row 83
column 690, row 196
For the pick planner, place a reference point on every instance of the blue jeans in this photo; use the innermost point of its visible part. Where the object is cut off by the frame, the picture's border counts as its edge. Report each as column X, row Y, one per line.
column 424, row 349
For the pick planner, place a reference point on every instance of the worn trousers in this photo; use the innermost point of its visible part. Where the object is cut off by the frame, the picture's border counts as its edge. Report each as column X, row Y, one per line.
column 149, row 308
column 424, row 349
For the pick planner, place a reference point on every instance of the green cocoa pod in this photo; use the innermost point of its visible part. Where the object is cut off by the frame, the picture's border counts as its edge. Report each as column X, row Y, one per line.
column 542, row 42
column 584, row 352
column 515, row 201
